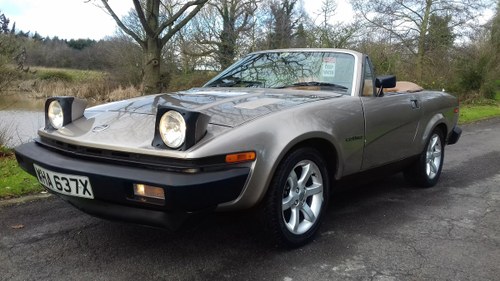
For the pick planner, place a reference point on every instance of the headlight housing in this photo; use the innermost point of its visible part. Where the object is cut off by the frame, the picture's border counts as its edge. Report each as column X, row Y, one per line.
column 172, row 129
column 60, row 111
column 55, row 114
column 178, row 128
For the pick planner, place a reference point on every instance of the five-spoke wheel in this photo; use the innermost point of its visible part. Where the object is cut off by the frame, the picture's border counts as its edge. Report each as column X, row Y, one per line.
column 297, row 197
column 302, row 197
column 433, row 156
column 426, row 170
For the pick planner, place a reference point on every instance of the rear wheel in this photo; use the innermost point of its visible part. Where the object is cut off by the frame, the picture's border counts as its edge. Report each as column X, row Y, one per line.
column 297, row 197
column 426, row 170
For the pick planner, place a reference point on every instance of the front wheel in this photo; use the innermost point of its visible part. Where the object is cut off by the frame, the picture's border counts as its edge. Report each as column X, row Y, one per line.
column 297, row 197
column 426, row 170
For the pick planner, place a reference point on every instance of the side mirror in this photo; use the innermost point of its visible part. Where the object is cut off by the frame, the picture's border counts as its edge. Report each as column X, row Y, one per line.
column 386, row 81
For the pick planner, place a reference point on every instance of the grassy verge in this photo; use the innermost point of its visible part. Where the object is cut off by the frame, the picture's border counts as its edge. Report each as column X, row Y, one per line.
column 15, row 182
column 474, row 113
column 479, row 109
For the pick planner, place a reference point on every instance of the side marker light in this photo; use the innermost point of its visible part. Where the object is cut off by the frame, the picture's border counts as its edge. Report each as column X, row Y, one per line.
column 240, row 157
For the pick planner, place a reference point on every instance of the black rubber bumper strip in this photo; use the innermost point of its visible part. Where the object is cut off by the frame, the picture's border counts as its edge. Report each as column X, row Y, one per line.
column 454, row 135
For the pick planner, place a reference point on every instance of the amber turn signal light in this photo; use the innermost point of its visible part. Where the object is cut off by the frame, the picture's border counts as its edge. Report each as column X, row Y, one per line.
column 240, row 157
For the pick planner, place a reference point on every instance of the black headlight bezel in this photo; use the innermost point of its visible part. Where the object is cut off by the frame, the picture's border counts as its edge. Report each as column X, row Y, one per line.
column 196, row 127
column 73, row 108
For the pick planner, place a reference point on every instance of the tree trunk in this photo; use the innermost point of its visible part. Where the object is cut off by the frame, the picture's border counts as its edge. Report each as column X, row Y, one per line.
column 421, row 40
column 228, row 37
column 151, row 66
column 148, row 15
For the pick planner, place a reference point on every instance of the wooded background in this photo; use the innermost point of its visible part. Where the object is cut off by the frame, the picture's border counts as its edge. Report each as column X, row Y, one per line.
column 439, row 44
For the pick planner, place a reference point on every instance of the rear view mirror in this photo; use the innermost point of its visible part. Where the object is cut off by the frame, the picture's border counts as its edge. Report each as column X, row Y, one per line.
column 386, row 81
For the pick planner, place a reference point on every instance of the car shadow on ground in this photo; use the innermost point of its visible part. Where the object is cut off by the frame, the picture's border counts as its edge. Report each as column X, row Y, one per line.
column 355, row 200
column 222, row 246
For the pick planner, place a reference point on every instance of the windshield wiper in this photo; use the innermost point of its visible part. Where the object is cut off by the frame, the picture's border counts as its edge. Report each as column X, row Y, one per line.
column 230, row 81
column 313, row 83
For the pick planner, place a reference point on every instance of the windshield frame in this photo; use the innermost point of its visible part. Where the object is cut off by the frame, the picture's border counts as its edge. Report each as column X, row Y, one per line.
column 353, row 88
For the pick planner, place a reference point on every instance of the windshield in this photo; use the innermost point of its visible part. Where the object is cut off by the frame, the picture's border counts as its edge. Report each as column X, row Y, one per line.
column 323, row 71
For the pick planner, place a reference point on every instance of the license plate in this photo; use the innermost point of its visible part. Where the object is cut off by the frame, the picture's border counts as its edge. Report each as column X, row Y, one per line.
column 66, row 184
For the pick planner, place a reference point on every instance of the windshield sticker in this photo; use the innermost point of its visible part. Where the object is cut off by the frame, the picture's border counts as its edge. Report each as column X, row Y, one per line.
column 328, row 67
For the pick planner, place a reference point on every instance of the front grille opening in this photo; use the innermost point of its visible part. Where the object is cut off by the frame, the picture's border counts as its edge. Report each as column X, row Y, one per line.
column 120, row 154
column 72, row 147
column 92, row 151
column 213, row 163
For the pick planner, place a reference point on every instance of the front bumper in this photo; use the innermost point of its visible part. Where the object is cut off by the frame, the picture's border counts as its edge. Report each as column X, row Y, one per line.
column 112, row 184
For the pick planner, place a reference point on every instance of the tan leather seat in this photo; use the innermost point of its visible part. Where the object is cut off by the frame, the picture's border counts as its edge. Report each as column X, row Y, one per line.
column 405, row 86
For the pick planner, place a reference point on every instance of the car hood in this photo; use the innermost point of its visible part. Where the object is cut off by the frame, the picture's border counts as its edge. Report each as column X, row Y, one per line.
column 227, row 107
column 128, row 126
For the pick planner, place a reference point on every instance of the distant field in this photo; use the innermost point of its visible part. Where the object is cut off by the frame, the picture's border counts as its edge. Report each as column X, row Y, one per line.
column 70, row 75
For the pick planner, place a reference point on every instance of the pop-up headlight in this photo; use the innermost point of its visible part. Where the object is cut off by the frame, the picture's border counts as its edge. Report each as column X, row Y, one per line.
column 177, row 128
column 60, row 111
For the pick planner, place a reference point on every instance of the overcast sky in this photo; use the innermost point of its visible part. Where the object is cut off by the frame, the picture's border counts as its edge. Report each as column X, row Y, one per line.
column 63, row 18
column 75, row 19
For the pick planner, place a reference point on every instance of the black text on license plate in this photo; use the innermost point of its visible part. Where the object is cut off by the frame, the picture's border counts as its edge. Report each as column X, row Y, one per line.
column 72, row 185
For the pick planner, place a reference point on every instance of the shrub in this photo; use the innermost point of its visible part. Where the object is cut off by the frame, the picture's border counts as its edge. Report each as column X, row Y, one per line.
column 184, row 81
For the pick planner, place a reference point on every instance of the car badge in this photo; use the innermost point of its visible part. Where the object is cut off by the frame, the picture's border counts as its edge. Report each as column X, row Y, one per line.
column 100, row 128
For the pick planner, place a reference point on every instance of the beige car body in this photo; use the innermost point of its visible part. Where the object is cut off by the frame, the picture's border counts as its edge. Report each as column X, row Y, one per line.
column 355, row 132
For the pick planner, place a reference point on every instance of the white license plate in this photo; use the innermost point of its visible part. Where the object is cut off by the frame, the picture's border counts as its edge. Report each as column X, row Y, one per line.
column 64, row 183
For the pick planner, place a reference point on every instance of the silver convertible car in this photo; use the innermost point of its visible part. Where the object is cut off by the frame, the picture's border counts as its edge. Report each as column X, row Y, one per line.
column 274, row 131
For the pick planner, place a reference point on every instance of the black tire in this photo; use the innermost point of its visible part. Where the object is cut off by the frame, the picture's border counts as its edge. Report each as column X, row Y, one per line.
column 293, row 209
column 426, row 170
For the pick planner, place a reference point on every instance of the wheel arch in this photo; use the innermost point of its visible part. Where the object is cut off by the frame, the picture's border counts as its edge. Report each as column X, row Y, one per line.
column 326, row 147
column 437, row 121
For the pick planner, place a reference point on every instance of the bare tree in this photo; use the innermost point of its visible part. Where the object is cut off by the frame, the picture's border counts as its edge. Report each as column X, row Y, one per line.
column 408, row 21
column 219, row 26
column 159, row 22
column 327, row 11
column 283, row 23
column 333, row 35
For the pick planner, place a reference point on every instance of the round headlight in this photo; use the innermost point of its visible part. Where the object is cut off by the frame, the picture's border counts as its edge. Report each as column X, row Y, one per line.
column 172, row 129
column 55, row 113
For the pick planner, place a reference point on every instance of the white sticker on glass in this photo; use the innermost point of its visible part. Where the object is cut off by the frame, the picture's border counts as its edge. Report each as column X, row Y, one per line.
column 328, row 67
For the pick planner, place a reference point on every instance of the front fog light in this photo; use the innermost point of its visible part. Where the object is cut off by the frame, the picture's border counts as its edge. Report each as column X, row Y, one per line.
column 172, row 129
column 144, row 190
column 56, row 115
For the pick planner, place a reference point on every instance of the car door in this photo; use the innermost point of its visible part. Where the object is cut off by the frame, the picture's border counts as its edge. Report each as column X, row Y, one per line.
column 391, row 124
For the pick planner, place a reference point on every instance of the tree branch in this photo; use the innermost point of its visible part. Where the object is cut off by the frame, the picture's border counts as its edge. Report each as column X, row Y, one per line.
column 173, row 18
column 177, row 27
column 142, row 18
column 122, row 26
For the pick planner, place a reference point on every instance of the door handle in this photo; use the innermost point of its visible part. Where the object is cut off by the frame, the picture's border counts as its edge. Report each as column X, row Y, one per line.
column 414, row 104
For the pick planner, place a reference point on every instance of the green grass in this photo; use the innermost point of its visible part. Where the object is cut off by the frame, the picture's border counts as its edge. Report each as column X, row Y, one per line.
column 472, row 113
column 14, row 181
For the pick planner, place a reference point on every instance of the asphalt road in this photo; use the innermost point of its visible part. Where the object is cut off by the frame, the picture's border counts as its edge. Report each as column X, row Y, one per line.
column 383, row 230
